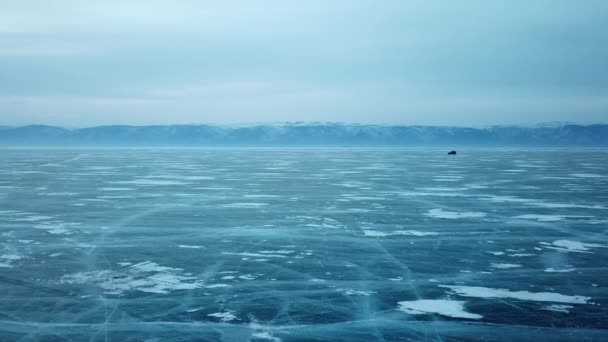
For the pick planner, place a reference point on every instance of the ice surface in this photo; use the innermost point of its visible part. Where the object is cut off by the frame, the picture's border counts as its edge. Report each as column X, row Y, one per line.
column 292, row 245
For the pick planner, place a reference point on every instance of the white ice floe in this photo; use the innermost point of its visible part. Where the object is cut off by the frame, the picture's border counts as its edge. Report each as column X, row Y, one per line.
column 504, row 265
column 440, row 213
column 486, row 292
column 226, row 316
column 571, row 246
column 444, row 307
column 375, row 233
column 145, row 277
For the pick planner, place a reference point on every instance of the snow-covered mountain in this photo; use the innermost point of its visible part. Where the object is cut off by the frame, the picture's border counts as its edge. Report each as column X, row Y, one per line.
column 309, row 134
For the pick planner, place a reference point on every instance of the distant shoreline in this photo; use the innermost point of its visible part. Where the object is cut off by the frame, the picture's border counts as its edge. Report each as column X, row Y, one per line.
column 308, row 135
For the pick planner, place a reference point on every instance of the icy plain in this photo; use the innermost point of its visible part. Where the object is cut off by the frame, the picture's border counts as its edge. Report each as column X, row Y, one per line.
column 303, row 245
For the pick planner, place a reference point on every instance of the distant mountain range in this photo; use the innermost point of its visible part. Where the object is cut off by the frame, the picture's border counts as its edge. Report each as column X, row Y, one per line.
column 308, row 134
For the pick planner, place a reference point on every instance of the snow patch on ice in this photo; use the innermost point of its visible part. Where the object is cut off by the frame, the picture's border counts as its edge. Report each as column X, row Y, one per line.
column 563, row 270
column 351, row 292
column 245, row 205
column 217, row 286
column 260, row 196
column 486, row 292
column 586, row 175
column 440, row 213
column 444, row 307
column 145, row 277
column 558, row 308
column 375, row 233
column 259, row 255
column 441, row 189
column 6, row 260
column 149, row 182
column 541, row 218
column 33, row 218
column 572, row 246
column 504, row 265
column 116, row 189
column 226, row 316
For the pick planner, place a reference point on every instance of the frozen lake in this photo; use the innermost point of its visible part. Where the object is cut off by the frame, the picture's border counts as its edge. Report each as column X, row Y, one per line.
column 303, row 245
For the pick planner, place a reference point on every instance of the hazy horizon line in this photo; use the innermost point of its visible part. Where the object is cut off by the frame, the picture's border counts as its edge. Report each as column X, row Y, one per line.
column 304, row 123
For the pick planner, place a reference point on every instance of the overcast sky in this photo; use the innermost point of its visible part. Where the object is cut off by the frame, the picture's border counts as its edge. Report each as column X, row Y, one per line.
column 467, row 63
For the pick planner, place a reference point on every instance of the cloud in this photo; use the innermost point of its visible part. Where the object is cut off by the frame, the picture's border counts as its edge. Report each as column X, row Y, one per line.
column 393, row 61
